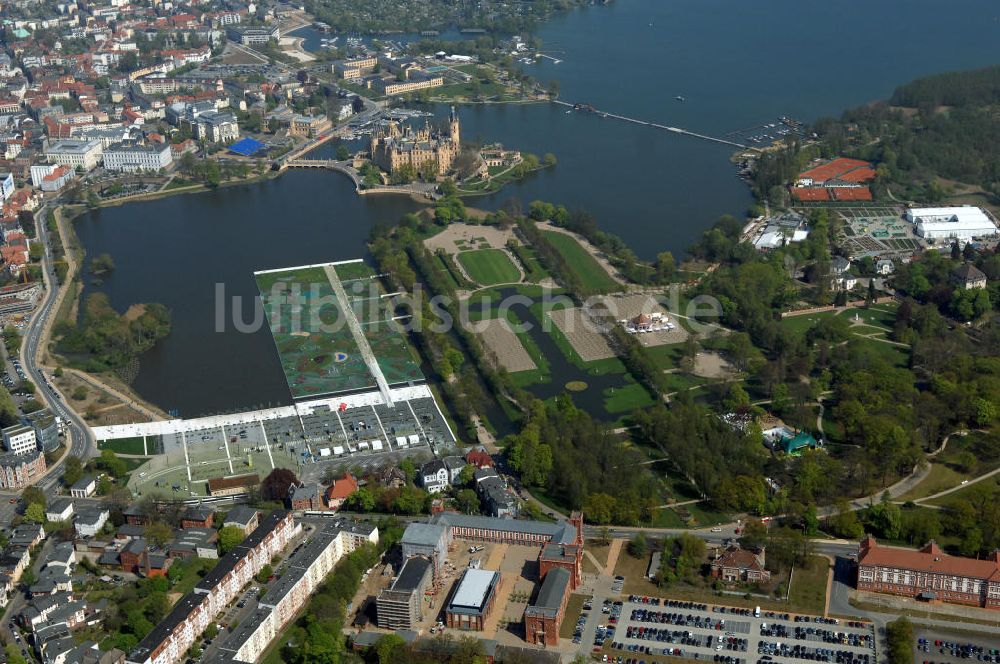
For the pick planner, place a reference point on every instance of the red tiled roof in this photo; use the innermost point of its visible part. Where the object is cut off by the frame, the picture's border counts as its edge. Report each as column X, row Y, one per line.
column 810, row 194
column 852, row 194
column 738, row 558
column 930, row 559
column 342, row 488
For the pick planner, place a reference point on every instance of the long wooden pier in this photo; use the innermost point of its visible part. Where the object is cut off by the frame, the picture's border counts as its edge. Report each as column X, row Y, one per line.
column 655, row 125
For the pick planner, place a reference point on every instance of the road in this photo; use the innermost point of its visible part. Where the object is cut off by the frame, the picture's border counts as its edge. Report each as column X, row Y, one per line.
column 79, row 439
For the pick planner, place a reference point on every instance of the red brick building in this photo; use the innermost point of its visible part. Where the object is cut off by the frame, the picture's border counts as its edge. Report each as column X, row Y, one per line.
column 929, row 574
column 472, row 600
column 739, row 564
column 565, row 556
column 543, row 617
column 136, row 559
column 198, row 516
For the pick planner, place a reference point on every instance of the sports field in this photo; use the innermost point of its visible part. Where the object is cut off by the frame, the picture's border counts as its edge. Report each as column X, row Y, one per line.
column 321, row 348
column 488, row 267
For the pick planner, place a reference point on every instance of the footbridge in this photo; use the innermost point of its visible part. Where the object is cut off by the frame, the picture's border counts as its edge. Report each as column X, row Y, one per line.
column 676, row 130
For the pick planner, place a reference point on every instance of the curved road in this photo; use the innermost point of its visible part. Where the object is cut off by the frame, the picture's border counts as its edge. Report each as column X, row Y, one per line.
column 78, row 436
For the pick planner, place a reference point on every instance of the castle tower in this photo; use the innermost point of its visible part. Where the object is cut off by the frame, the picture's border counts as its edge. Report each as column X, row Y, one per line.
column 453, row 127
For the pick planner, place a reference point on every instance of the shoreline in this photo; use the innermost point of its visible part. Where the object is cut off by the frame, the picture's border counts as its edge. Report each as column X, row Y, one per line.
column 48, row 359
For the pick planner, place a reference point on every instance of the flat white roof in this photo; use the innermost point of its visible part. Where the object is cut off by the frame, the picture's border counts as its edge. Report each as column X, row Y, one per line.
column 471, row 592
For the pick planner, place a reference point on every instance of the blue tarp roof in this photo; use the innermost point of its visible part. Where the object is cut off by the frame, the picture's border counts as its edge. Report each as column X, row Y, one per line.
column 246, row 147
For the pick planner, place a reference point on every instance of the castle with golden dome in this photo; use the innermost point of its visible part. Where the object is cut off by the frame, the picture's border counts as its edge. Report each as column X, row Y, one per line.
column 395, row 147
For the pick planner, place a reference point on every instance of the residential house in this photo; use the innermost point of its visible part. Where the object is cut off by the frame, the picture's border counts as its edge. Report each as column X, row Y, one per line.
column 90, row 520
column 306, row 497
column 60, row 509
column 244, row 518
column 338, row 492
column 968, row 276
column 83, row 487
column 736, row 564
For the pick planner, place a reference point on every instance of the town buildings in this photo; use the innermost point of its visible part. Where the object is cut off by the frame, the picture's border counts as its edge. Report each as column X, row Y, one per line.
column 18, row 471
column 82, row 154
column 304, row 571
column 929, row 574
column 19, row 439
column 139, row 158
column 170, row 639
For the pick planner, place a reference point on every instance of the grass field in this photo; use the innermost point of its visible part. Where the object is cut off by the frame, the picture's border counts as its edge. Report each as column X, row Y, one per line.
column 626, row 399
column 574, row 605
column 124, row 445
column 592, row 275
column 807, row 594
column 489, row 267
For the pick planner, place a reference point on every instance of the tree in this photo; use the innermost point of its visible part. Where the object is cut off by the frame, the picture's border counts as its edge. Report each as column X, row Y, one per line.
column 158, row 532
column 666, row 266
column 465, row 477
column 845, row 522
column 899, row 635
column 361, row 500
column 637, row 546
column 389, row 649
column 754, row 534
column 409, row 470
column 229, row 538
column 343, row 154
column 34, row 495
column 14, row 655
column 264, row 574
column 35, row 513
column 275, row 485
column 467, row 501
column 73, row 470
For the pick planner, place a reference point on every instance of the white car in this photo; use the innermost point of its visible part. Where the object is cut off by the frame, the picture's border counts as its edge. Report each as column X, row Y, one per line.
column 716, row 530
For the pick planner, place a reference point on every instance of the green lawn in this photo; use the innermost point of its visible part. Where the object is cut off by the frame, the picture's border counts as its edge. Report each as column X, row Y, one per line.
column 489, row 266
column 592, row 275
column 626, row 399
column 808, row 591
column 939, row 478
column 125, row 445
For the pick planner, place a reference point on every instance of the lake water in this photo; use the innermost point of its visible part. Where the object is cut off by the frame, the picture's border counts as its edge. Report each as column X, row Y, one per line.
column 737, row 64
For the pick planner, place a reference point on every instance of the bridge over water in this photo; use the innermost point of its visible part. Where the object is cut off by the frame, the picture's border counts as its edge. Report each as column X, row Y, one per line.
column 428, row 189
column 655, row 125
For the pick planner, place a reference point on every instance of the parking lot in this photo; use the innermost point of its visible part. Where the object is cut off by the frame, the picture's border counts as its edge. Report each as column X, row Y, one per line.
column 638, row 628
column 943, row 648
